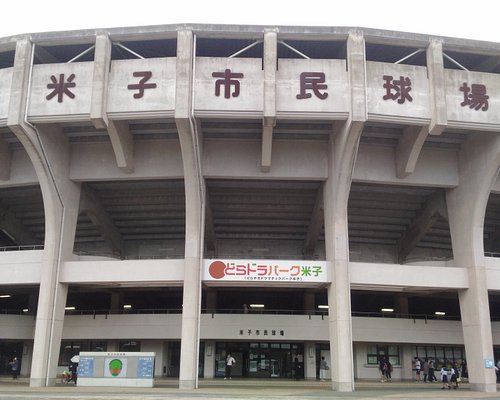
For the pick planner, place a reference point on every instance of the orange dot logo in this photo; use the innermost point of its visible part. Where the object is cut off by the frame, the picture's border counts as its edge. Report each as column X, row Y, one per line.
column 217, row 270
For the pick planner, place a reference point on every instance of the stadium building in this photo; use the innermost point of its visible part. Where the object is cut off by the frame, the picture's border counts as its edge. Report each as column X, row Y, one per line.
column 279, row 193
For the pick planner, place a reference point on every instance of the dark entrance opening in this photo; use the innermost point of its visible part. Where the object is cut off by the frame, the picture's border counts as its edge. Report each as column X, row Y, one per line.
column 9, row 350
column 260, row 359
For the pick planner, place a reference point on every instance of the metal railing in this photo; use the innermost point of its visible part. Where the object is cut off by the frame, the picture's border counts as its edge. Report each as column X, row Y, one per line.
column 22, row 248
column 239, row 311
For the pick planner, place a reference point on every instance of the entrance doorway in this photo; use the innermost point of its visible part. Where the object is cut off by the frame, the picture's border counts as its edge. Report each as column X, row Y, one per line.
column 9, row 350
column 261, row 359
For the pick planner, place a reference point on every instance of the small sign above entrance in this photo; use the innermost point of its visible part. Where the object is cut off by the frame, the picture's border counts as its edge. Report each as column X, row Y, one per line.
column 287, row 271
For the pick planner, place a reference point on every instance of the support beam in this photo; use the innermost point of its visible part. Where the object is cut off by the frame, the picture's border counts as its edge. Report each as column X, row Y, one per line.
column 119, row 134
column 269, row 118
column 102, row 63
column 433, row 210
column 91, row 205
column 437, row 87
column 267, row 145
column 315, row 225
column 123, row 144
column 409, row 148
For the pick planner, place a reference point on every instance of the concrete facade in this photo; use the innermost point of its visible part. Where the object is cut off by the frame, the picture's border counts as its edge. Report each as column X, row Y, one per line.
column 376, row 154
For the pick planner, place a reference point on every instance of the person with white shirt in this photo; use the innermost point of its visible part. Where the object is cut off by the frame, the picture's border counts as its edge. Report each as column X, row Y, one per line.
column 444, row 378
column 230, row 361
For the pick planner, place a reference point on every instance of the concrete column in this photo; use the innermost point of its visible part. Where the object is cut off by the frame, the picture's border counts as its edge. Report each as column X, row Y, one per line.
column 61, row 213
column 437, row 87
column 479, row 161
column 343, row 147
column 406, row 362
column 209, row 370
column 48, row 150
column 195, row 194
column 310, row 360
column 270, row 62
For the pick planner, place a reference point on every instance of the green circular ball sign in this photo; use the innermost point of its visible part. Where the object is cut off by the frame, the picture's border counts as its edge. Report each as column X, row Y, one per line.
column 115, row 367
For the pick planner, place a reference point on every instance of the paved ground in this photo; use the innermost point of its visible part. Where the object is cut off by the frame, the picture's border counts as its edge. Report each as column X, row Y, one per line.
column 241, row 390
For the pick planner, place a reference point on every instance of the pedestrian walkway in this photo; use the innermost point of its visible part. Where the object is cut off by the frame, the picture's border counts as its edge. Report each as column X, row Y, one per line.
column 240, row 389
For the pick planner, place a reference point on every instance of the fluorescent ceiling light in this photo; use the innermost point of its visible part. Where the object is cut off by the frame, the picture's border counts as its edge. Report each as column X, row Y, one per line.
column 440, row 313
column 25, row 310
column 257, row 305
column 5, row 296
column 127, row 306
column 387, row 310
column 69, row 308
column 322, row 306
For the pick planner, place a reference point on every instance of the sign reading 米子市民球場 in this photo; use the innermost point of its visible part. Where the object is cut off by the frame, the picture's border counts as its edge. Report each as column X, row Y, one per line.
column 288, row 271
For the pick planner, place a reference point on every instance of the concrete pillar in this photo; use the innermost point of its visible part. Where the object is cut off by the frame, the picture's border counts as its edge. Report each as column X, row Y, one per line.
column 270, row 62
column 48, row 150
column 479, row 161
column 407, row 362
column 310, row 360
column 209, row 370
column 343, row 147
column 61, row 213
column 195, row 194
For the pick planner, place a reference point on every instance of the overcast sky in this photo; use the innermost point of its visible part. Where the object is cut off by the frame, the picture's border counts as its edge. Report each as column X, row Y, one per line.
column 470, row 19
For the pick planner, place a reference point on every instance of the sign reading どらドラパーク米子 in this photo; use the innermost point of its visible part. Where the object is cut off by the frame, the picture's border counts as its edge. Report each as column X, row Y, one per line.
column 265, row 270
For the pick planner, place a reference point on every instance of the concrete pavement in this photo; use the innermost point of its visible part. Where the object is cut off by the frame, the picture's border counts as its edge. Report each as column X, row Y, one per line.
column 241, row 389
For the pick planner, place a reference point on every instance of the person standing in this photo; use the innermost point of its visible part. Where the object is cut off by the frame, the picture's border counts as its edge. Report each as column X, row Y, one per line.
column 432, row 377
column 382, row 366
column 464, row 373
column 230, row 361
column 418, row 367
column 425, row 369
column 14, row 366
column 388, row 371
column 323, row 367
column 454, row 376
column 296, row 367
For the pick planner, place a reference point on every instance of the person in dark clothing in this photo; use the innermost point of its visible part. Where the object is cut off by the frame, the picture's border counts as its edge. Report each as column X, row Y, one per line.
column 388, row 370
column 296, row 368
column 73, row 368
column 14, row 366
column 382, row 366
column 432, row 376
